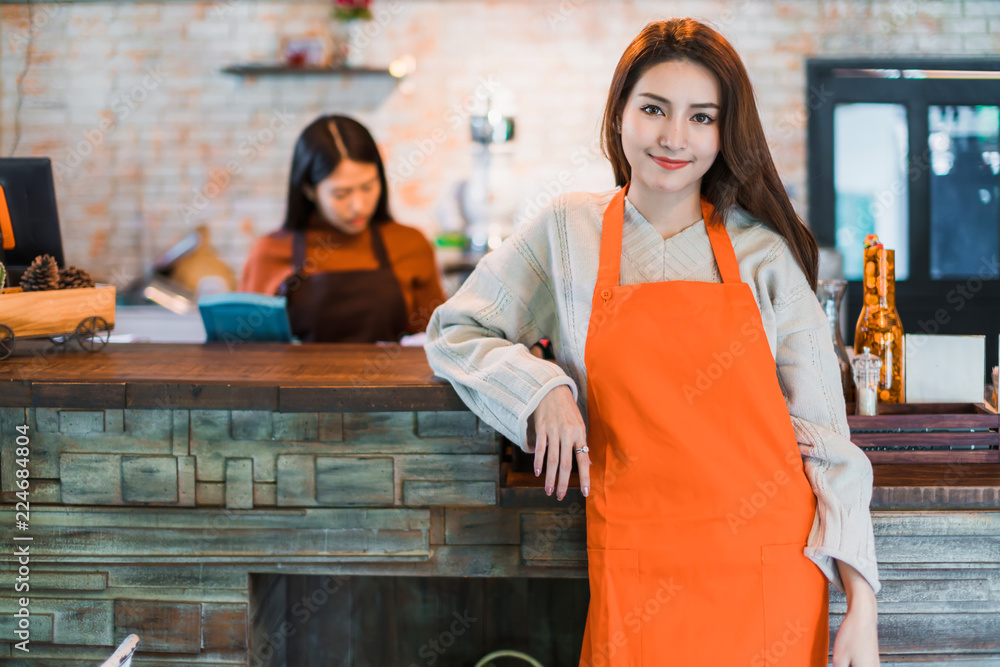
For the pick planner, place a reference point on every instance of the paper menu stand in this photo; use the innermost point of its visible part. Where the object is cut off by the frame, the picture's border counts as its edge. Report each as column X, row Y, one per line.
column 944, row 369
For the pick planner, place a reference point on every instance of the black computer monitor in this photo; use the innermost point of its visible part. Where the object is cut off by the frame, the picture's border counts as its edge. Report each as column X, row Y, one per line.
column 31, row 204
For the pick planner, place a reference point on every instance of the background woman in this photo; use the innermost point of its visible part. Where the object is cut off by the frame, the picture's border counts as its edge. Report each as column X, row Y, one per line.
column 351, row 274
column 695, row 383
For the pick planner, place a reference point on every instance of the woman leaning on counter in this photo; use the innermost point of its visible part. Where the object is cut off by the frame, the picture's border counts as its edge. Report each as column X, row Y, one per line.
column 695, row 385
column 350, row 272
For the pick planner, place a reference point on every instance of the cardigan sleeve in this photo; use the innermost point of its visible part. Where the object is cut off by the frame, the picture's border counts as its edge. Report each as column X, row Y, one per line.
column 809, row 375
column 478, row 339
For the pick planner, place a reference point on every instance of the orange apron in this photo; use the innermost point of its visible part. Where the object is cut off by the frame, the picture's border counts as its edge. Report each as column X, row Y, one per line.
column 699, row 508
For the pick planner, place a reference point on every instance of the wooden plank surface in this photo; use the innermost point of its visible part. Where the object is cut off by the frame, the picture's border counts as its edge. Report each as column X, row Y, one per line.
column 224, row 626
column 944, row 474
column 77, row 394
column 165, row 627
column 262, row 364
column 348, row 480
column 149, row 479
column 271, row 376
column 918, row 456
column 239, row 484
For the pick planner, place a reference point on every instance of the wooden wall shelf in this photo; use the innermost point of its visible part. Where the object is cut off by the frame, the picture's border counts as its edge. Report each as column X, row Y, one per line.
column 277, row 69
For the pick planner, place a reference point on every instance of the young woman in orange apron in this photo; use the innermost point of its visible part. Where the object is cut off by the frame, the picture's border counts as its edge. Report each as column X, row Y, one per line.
column 670, row 565
column 687, row 421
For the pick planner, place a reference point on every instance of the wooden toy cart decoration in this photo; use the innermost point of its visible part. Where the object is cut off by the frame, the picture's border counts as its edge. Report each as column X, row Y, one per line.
column 83, row 314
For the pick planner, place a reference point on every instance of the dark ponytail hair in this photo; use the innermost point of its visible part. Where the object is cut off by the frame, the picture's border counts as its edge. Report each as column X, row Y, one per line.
column 743, row 173
column 318, row 151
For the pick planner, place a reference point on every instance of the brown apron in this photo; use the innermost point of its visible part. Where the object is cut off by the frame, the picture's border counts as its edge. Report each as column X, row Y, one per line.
column 363, row 306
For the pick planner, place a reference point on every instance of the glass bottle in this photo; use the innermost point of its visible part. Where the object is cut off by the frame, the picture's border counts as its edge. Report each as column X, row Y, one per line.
column 830, row 294
column 866, row 376
column 879, row 327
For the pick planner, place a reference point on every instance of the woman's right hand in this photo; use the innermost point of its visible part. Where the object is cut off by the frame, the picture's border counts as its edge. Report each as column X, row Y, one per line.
column 559, row 428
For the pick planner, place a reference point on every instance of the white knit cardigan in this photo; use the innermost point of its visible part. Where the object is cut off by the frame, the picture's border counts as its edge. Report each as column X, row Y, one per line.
column 539, row 284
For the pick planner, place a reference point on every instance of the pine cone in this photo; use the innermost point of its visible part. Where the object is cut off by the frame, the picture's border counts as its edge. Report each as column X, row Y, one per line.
column 72, row 277
column 43, row 274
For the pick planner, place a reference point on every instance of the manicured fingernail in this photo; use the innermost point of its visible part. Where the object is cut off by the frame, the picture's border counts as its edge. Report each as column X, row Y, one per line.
column 586, row 490
column 560, row 496
column 538, row 471
column 548, row 490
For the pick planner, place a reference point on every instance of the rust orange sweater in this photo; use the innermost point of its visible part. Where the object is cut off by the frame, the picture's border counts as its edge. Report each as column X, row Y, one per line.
column 327, row 249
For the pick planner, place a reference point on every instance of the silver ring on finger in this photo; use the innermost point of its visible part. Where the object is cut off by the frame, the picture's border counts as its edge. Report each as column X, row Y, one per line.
column 582, row 450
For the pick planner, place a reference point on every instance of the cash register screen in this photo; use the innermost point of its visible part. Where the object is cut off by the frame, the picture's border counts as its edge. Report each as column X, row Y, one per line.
column 31, row 216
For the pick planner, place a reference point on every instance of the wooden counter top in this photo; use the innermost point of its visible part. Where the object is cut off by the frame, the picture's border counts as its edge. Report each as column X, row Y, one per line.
column 258, row 376
column 348, row 378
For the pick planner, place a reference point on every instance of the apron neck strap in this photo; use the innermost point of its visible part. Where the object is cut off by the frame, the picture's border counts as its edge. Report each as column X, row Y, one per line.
column 609, row 271
column 722, row 245
column 378, row 246
column 299, row 249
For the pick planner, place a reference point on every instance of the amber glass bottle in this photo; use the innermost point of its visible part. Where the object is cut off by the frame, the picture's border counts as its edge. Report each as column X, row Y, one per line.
column 879, row 327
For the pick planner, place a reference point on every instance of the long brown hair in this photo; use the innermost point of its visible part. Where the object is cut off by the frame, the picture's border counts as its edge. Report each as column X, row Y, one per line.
column 743, row 173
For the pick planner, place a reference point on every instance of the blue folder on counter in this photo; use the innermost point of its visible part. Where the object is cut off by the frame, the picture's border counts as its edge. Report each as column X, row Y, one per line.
column 245, row 317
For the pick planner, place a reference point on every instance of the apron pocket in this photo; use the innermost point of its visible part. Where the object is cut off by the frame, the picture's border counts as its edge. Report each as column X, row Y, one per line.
column 796, row 608
column 613, row 616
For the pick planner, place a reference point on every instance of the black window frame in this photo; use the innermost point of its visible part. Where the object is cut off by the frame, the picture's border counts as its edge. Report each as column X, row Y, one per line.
column 919, row 298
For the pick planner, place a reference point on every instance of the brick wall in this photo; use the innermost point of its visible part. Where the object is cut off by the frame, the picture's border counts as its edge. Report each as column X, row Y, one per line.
column 151, row 138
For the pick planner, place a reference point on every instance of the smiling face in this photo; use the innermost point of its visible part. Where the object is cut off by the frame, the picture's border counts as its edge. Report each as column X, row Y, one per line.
column 347, row 198
column 669, row 129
